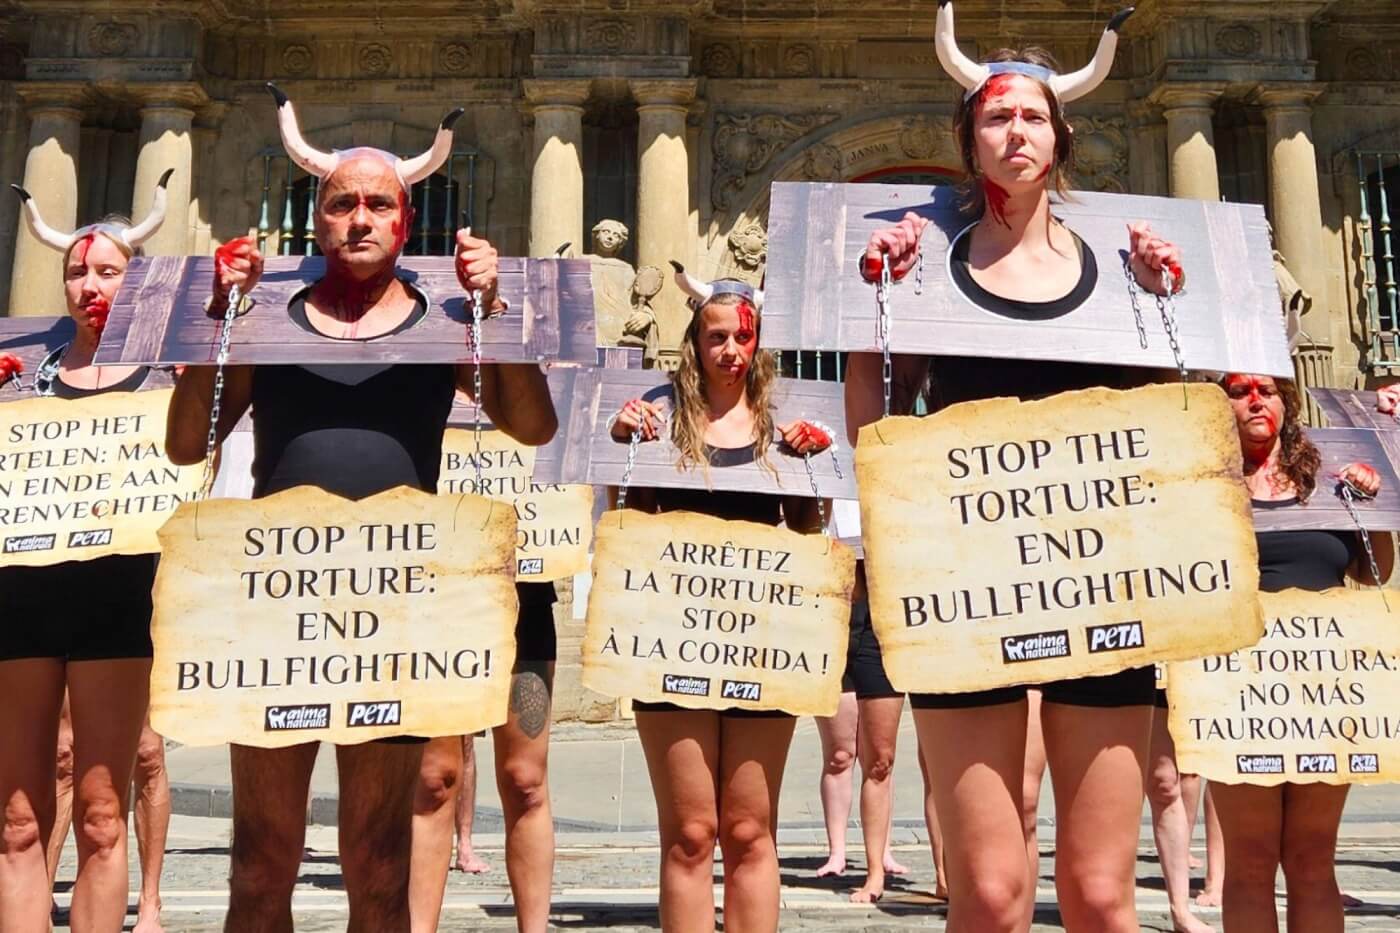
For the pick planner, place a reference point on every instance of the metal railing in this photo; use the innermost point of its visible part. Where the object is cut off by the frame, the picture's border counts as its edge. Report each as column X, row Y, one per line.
column 1378, row 181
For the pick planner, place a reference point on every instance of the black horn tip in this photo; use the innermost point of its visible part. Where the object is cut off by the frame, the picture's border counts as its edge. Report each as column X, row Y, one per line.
column 677, row 266
column 23, row 195
column 452, row 118
column 277, row 94
column 165, row 178
column 1120, row 18
column 563, row 248
column 943, row 3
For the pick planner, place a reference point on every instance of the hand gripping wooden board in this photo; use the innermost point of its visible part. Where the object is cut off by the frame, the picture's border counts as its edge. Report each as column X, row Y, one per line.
column 159, row 316
column 815, row 299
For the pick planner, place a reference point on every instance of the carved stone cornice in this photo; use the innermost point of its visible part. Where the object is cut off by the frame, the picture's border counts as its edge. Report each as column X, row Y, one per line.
column 169, row 95
column 556, row 93
column 46, row 96
column 1287, row 96
column 1181, row 96
column 663, row 92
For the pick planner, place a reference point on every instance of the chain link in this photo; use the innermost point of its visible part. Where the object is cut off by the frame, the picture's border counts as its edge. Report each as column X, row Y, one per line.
column 476, row 382
column 632, row 446
column 1137, row 306
column 882, row 325
column 1166, row 307
column 812, row 479
column 919, row 274
column 211, row 442
column 1349, row 501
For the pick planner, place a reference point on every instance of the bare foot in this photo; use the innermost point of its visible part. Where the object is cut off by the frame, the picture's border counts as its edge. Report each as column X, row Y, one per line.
column 1349, row 901
column 871, row 892
column 836, row 865
column 466, row 862
column 1184, row 922
column 148, row 917
column 1208, row 898
column 892, row 867
column 940, row 890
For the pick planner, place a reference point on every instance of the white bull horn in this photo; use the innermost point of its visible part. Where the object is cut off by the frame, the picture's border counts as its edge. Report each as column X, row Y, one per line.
column 960, row 68
column 135, row 236
column 420, row 167
column 698, row 291
column 1080, row 83
column 313, row 160
column 42, row 231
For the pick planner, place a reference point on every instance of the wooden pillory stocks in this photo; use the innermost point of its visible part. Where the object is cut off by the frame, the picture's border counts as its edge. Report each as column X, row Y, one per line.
column 550, row 316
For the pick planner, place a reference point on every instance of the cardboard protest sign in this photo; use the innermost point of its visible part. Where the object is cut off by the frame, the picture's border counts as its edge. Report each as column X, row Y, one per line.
column 712, row 614
column 592, row 456
column 815, row 298
column 550, row 316
column 1325, row 508
column 1010, row 542
column 86, row 478
column 304, row 616
column 554, row 524
column 1312, row 701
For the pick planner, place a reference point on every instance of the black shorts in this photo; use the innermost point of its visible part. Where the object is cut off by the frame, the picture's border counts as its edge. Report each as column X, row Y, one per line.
column 639, row 706
column 535, row 638
column 1133, row 687
column 865, row 668
column 97, row 610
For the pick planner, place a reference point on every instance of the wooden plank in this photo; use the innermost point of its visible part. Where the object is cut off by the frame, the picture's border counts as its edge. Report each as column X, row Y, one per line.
column 1228, row 317
column 1353, row 408
column 33, row 338
column 548, row 457
column 550, row 316
column 1340, row 446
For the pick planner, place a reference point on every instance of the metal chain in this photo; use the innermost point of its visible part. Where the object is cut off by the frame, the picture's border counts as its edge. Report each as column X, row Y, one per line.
column 812, row 479
column 206, row 484
column 1166, row 306
column 1349, row 500
column 882, row 325
column 919, row 274
column 632, row 446
column 1137, row 306
column 476, row 382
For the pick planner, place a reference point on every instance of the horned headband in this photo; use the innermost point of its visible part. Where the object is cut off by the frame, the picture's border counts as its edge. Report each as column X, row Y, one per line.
column 128, row 239
column 321, row 164
column 700, row 292
column 972, row 75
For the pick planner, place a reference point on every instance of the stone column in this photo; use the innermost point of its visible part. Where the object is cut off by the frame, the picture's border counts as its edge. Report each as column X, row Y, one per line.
column 166, row 142
column 1190, row 140
column 1147, row 169
column 556, row 176
column 664, row 229
column 51, row 178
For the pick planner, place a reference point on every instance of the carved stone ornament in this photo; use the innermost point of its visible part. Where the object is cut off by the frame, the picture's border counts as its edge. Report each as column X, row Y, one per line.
column 376, row 59
column 745, row 143
column 1363, row 65
column 918, row 138
column 112, row 38
column 719, row 61
column 609, row 36
column 296, row 59
column 748, row 244
column 1100, row 153
column 799, row 61
column 455, row 58
column 1239, row 39
column 822, row 162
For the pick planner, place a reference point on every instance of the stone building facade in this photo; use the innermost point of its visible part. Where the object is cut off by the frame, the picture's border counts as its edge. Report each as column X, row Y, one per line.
column 674, row 116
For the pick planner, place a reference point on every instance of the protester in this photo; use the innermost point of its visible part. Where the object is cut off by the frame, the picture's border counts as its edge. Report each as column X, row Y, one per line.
column 352, row 430
column 1172, row 821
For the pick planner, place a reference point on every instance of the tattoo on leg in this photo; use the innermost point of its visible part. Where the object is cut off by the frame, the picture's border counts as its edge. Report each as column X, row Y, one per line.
column 529, row 700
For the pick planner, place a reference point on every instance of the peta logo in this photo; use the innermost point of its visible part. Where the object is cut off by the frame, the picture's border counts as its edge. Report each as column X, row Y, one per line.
column 24, row 544
column 1038, row 647
column 290, row 718
column 1364, row 764
column 1259, row 764
column 1317, row 764
column 529, row 566
column 387, row 713
column 740, row 690
column 1115, row 637
column 98, row 538
column 685, row 685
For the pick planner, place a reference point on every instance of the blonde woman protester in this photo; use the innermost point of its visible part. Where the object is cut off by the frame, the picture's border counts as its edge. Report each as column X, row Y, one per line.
column 716, row 774
column 1293, row 826
column 83, row 625
column 1019, row 262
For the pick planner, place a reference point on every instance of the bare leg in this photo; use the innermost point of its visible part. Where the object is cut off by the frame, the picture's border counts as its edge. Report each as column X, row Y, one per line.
column 1191, row 789
column 1312, row 814
column 1214, row 887
column 935, row 832
column 467, row 860
column 269, row 829
column 892, row 866
column 683, row 758
column 63, row 790
column 1032, row 780
column 838, row 735
column 1170, row 827
column 1097, row 758
column 1251, row 823
column 377, row 784
column 108, row 701
column 439, row 776
column 31, row 695
column 753, row 753
column 980, row 755
column 875, row 739
column 152, row 825
column 522, row 769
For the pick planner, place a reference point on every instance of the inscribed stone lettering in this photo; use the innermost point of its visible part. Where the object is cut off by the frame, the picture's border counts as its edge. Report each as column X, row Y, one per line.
column 1010, row 542
column 1312, row 701
column 304, row 616
column 554, row 524
column 712, row 614
column 86, row 478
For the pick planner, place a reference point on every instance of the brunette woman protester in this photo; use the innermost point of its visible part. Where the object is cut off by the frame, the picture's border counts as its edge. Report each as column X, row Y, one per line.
column 83, row 625
column 1018, row 261
column 716, row 774
column 1289, row 825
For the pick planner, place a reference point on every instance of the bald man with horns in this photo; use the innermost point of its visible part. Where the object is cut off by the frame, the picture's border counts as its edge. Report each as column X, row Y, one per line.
column 353, row 430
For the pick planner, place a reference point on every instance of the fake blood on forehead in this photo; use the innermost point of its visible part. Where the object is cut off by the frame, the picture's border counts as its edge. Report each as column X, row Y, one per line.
column 81, row 247
column 1253, row 384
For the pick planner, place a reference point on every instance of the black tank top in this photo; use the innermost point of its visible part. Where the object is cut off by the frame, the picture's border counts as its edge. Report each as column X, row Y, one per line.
column 351, row 429
column 720, row 503
column 1308, row 560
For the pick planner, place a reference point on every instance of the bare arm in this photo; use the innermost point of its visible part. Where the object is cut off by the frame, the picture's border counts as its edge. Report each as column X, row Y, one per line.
column 187, row 421
column 865, row 390
column 515, row 396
